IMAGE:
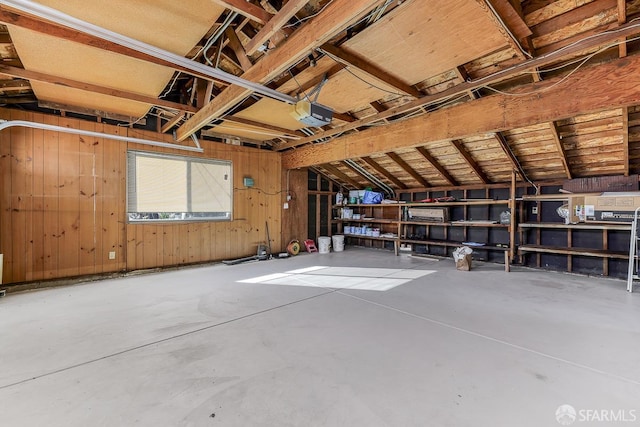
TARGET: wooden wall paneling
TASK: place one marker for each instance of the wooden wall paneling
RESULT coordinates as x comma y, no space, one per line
5,201
101,254
69,219
20,197
270,165
183,244
131,247
87,195
112,217
205,241
120,219
37,217
194,242
166,234
15,261
295,219
28,167
139,257
52,201
76,191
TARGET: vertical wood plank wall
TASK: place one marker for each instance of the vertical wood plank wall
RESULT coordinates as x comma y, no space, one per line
295,219
63,204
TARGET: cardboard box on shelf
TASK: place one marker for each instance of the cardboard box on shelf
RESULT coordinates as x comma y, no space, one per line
576,209
611,207
434,214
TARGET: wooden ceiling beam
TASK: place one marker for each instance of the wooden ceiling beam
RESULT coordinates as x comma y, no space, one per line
341,176
336,16
61,81
285,132
345,117
274,25
238,49
513,160
553,127
437,166
512,18
503,24
90,112
462,150
518,69
241,139
64,33
300,90
382,171
370,69
14,84
411,171
357,172
622,18
601,87
247,9
171,123
464,77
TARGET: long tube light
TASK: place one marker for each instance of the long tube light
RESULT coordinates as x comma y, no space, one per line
69,21
4,124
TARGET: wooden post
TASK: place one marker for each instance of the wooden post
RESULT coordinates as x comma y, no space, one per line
512,225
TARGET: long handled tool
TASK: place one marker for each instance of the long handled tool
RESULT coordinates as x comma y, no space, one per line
266,223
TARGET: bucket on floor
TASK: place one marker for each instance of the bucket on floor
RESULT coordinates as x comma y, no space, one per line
324,244
338,242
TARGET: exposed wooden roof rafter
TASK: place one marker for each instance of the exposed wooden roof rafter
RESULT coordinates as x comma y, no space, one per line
247,9
172,122
333,19
382,171
540,61
436,165
407,168
265,126
609,85
459,146
370,69
553,127
513,160
357,172
61,81
341,176
45,27
274,25
238,49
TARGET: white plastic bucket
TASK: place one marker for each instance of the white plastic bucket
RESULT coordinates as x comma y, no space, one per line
324,244
338,242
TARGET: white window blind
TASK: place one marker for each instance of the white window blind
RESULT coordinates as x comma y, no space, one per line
163,187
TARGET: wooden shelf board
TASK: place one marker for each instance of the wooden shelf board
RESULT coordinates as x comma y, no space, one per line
465,203
362,205
554,197
599,253
451,243
372,220
456,224
589,226
360,236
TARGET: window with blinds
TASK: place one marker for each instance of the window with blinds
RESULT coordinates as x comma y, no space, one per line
163,187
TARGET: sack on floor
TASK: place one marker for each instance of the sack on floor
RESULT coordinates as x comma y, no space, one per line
462,257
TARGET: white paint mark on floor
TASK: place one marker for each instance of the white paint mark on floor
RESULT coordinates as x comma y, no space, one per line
370,279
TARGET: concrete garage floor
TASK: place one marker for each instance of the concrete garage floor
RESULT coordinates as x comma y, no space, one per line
195,347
